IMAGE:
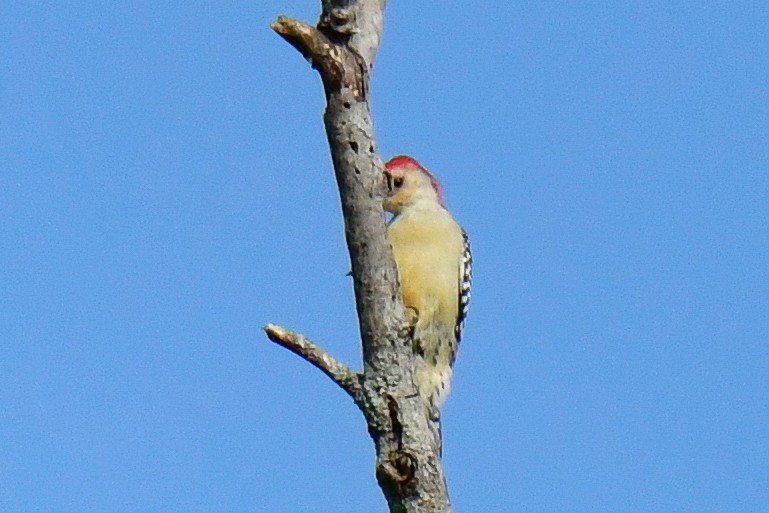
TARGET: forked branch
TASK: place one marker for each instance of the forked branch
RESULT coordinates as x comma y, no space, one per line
342,47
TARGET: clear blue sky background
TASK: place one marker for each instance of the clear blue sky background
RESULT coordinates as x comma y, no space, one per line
165,190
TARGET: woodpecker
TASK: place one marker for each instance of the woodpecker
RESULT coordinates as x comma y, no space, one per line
434,264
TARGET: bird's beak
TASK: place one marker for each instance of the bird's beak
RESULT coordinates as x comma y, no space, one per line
389,180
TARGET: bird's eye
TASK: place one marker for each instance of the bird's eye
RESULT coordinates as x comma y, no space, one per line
398,182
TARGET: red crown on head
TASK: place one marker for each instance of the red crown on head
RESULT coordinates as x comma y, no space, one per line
410,163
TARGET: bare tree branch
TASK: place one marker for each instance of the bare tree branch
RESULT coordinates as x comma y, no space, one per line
341,374
342,47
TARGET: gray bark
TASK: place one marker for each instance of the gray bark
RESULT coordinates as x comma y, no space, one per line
342,47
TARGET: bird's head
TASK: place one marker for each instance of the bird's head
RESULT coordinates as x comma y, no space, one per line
409,184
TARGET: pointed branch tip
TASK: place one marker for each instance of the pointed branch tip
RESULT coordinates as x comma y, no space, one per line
302,36
341,374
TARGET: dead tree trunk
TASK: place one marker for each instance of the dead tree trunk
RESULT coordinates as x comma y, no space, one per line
342,47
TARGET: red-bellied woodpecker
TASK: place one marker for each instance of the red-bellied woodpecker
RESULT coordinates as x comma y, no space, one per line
434,264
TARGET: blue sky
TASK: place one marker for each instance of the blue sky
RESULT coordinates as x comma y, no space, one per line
166,189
